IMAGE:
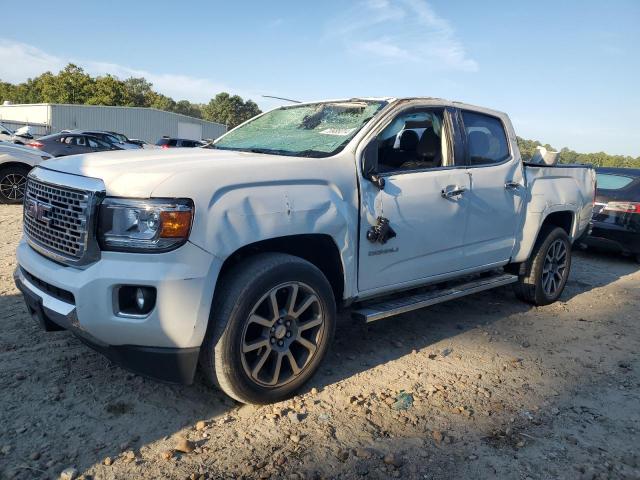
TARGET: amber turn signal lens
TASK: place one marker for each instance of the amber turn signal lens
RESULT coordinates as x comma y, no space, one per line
175,224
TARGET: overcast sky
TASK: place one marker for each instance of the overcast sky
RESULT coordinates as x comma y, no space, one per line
567,72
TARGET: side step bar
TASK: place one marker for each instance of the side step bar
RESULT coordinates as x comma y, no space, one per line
403,304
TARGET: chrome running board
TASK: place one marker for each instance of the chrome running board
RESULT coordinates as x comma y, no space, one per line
407,303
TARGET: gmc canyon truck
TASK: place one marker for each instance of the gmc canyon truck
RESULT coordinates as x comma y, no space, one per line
236,257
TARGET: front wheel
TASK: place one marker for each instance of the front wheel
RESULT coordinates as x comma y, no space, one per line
271,326
13,181
547,270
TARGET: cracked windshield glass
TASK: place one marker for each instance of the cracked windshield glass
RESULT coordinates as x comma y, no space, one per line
311,130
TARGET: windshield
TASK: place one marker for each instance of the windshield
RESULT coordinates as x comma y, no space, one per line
612,182
311,130
111,139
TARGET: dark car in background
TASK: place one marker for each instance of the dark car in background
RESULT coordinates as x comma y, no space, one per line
616,212
168,142
109,137
61,144
124,139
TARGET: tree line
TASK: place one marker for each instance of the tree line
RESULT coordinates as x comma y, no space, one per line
599,159
72,85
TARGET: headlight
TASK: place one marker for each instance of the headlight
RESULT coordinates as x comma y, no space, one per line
154,225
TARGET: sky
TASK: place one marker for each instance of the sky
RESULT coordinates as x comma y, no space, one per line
567,72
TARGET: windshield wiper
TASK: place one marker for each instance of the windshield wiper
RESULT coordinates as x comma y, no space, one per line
311,153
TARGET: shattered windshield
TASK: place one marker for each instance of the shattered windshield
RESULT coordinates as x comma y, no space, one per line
312,130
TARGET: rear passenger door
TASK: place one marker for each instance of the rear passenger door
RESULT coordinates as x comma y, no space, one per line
81,145
495,197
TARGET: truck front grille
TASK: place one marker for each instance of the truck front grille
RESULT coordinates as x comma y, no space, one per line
56,219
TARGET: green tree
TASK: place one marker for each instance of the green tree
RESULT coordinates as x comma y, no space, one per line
108,90
161,102
229,110
187,108
139,91
7,91
73,85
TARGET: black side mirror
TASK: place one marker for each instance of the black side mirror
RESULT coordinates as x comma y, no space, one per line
370,164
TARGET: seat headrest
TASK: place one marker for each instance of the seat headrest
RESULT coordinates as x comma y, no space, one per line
408,140
430,144
478,144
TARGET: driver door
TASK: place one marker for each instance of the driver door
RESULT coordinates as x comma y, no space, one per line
423,199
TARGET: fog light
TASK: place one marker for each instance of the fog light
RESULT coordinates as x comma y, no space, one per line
136,300
140,299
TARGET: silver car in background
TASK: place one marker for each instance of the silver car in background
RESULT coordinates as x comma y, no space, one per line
15,163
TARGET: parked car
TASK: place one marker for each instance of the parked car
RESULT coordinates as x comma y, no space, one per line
238,256
124,139
168,142
62,144
108,137
21,136
15,163
616,212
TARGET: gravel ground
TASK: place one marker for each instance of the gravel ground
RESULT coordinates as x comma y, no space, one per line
492,388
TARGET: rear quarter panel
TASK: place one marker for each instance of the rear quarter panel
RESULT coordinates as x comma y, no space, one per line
555,189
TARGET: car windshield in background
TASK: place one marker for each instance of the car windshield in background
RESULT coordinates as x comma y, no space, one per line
312,130
607,181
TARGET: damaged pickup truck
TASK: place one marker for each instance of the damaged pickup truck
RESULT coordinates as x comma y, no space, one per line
237,257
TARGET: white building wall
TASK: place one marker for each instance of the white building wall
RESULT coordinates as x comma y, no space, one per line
144,123
37,114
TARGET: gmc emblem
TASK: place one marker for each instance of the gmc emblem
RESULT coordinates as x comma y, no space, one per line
38,210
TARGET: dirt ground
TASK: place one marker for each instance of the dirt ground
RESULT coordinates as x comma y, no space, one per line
493,388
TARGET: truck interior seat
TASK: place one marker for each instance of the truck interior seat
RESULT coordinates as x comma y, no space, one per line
479,146
430,149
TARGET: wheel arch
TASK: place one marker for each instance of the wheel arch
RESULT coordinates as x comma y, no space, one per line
564,219
317,248
536,223
14,163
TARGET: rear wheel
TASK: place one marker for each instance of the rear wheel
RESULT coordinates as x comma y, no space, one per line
271,326
13,181
547,270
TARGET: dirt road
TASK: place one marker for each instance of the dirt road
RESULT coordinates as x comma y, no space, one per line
493,388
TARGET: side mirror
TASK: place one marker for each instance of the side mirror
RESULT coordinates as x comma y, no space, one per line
370,164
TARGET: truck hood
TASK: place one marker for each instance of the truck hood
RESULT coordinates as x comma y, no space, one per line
136,173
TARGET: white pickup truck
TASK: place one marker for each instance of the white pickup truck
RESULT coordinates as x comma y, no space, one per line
236,257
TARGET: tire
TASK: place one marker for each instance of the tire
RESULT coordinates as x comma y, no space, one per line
243,318
547,270
13,180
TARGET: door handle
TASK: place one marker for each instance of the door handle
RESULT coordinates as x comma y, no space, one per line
511,185
452,191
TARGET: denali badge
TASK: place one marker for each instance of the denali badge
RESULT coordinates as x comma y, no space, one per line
38,210
373,253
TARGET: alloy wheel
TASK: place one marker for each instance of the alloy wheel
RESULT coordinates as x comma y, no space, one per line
554,268
282,334
12,186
